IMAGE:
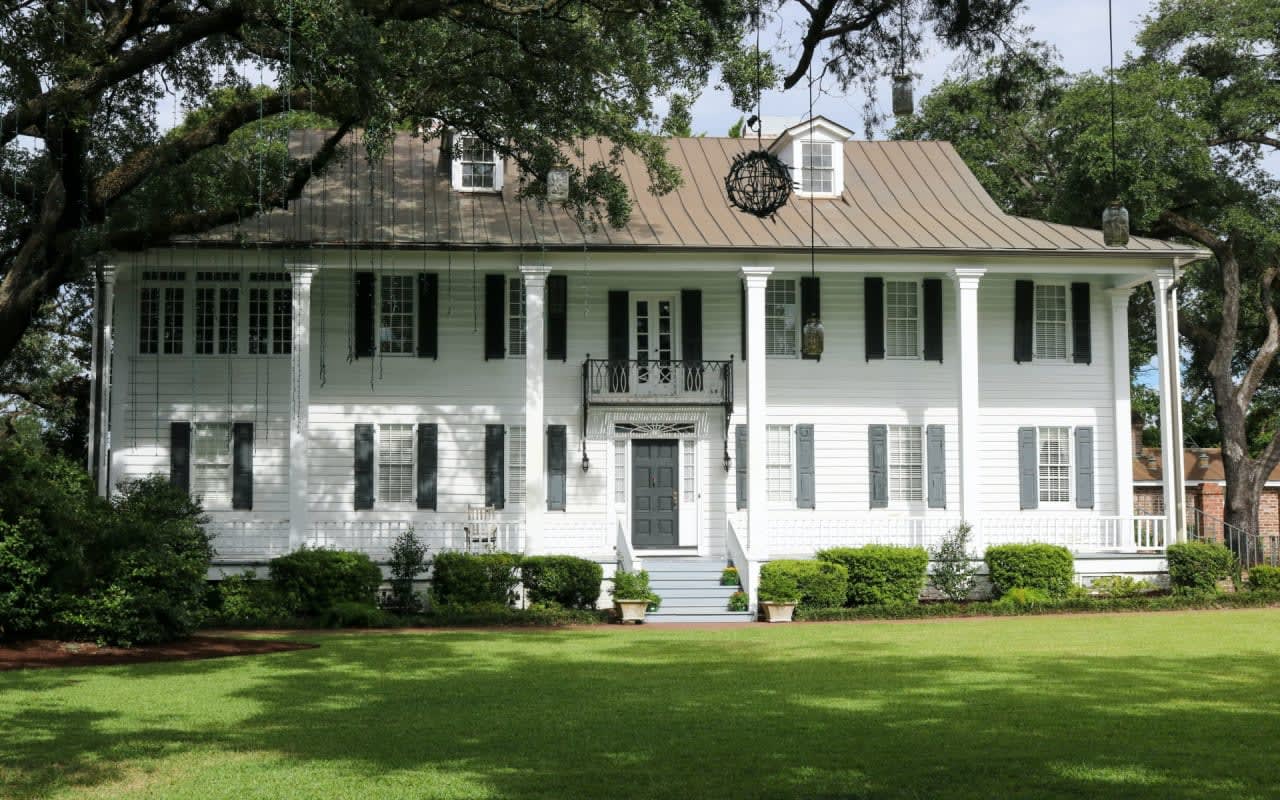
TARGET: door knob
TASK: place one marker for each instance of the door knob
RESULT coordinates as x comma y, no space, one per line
675,496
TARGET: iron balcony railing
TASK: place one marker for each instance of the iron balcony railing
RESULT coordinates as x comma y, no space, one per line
626,381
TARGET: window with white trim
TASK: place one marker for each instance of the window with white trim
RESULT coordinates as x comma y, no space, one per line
780,314
217,314
161,312
516,457
1053,449
395,464
906,464
1050,321
270,314
477,163
396,314
902,319
687,468
817,172
516,344
620,472
211,464
779,464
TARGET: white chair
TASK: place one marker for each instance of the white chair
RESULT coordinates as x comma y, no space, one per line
481,530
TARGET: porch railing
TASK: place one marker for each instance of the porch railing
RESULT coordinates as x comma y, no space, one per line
242,541
248,540
1082,534
748,567
627,558
1253,549
645,381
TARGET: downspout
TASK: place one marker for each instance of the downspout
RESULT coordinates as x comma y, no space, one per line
96,438
1174,371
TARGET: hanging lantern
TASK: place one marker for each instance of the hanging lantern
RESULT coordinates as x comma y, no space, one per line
903,101
1115,224
557,185
758,183
812,337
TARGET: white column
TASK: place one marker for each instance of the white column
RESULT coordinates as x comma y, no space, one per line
1170,439
756,279
300,405
1122,420
100,397
535,438
966,280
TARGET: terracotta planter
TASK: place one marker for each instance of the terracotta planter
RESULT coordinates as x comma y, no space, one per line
776,612
631,610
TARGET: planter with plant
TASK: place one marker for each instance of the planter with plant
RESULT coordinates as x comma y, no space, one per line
632,596
729,577
739,601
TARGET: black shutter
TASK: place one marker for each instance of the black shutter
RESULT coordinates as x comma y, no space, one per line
1081,336
1028,469
810,306
428,315
428,461
691,338
180,455
878,465
366,314
495,317
1024,301
557,463
874,305
558,317
932,307
740,462
936,445
495,493
242,466
806,486
364,467
1084,467
619,340
742,316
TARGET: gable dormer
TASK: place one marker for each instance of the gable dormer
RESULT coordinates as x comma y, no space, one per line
476,166
814,149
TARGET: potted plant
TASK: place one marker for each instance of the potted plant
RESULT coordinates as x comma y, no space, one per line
729,577
739,601
632,596
779,593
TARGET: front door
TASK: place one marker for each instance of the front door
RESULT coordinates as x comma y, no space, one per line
655,520
654,343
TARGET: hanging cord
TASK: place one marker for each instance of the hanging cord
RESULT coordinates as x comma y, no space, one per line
755,18
1111,52
812,238
351,251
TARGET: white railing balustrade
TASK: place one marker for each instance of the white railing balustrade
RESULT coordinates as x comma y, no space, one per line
627,558
586,537
248,540
748,567
806,535
1080,534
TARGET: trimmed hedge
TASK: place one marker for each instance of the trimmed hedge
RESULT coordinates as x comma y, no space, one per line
812,584
1030,566
311,582
564,580
1264,578
1196,567
471,578
881,574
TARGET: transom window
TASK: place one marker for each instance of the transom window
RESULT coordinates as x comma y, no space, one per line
1051,321
816,169
516,343
477,162
516,458
211,464
780,315
396,314
906,464
902,319
395,464
1054,464
778,463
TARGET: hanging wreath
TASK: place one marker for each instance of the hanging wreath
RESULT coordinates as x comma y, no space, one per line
758,183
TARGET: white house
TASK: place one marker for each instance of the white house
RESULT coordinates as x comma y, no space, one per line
414,345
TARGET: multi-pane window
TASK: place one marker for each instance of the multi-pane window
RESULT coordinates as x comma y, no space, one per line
778,468
211,464
161,312
270,317
1054,464
817,172
1051,321
906,464
174,299
397,314
687,469
395,463
516,344
477,162
620,472
149,319
902,319
780,314
217,320
515,464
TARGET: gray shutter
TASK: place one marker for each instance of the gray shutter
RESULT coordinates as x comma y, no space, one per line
1028,472
1084,467
931,308
242,466
428,464
740,462
495,493
936,447
1024,301
557,462
873,312
364,467
805,489
1081,335
878,464
180,455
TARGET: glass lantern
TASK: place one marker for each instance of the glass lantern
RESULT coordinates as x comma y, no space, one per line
557,185
812,338
903,101
1115,225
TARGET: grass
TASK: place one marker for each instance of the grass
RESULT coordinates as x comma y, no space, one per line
1151,705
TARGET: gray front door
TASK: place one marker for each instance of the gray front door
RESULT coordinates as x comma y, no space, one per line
654,512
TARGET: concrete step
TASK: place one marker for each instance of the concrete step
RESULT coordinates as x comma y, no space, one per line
684,565
664,616
669,602
692,590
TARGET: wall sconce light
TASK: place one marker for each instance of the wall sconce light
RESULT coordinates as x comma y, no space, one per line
586,460
728,464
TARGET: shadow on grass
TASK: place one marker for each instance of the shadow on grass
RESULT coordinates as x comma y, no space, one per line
597,714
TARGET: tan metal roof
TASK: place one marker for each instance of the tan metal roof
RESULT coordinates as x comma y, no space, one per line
899,196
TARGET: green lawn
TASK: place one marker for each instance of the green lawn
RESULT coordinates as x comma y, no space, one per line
1156,705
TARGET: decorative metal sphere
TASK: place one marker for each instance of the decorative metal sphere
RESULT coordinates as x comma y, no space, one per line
903,101
812,337
1115,225
758,183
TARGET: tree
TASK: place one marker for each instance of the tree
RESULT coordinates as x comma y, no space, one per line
1197,112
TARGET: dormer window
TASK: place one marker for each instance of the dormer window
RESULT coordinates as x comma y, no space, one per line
814,149
477,167
816,170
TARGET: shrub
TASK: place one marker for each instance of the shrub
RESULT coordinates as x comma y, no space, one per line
1196,567
729,577
245,600
953,568
468,578
634,586
1264,578
567,581
1030,566
811,584
738,601
880,574
25,597
348,614
1024,597
314,581
482,614
1120,586
408,561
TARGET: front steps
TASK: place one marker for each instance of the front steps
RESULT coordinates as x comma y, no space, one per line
690,590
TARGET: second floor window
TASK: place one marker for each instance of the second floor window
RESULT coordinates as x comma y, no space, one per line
477,161
817,173
901,319
161,312
780,314
270,320
516,344
397,314
1051,321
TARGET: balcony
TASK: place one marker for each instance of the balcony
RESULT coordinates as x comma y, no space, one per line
644,382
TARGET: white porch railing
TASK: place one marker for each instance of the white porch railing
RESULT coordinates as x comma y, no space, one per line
627,558
806,535
1079,534
240,541
581,537
248,540
748,567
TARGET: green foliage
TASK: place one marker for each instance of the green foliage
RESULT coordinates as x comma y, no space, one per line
729,577
1030,566
245,601
1196,567
349,614
1024,598
408,561
634,586
503,615
1121,586
739,601
24,591
564,580
1264,578
468,578
314,581
811,584
880,574
953,568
